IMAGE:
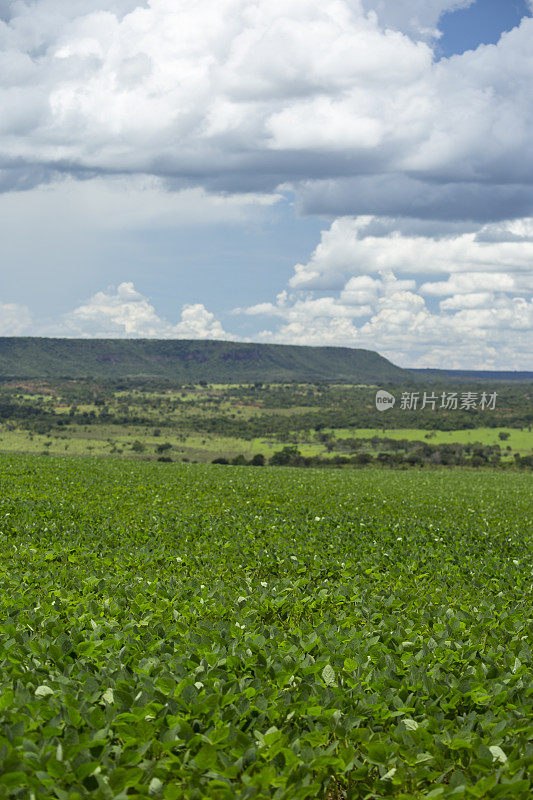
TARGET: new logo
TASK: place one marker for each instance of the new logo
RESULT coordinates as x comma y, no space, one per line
384,400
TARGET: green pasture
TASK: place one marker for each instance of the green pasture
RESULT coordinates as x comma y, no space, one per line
117,440
520,440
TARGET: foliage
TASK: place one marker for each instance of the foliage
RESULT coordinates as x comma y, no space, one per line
202,632
415,454
328,424
188,360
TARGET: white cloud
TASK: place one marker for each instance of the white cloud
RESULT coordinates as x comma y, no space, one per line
483,319
246,95
15,319
404,329
317,331
471,282
468,300
172,112
347,249
198,323
361,290
125,313
308,308
123,203
121,313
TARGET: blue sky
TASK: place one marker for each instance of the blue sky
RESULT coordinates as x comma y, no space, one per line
355,172
482,22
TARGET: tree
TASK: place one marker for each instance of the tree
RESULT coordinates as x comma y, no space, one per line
162,448
289,455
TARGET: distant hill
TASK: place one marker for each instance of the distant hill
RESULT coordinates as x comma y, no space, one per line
464,375
193,360
185,360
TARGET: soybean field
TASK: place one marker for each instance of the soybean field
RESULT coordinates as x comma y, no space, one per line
200,631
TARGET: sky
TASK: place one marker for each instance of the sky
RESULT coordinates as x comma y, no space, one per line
336,172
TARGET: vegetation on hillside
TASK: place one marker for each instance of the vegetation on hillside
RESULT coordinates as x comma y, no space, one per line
185,360
191,360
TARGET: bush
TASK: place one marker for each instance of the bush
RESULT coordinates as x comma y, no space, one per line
288,456
162,448
363,458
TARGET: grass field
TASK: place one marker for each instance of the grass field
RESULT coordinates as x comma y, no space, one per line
193,631
520,440
117,440
200,423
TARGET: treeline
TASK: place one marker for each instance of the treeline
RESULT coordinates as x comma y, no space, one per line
468,455
37,418
284,427
288,413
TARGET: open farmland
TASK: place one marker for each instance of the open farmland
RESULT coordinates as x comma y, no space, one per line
327,424
193,631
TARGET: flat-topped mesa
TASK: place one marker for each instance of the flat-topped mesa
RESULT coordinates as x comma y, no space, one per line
190,360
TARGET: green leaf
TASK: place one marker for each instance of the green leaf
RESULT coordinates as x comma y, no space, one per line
206,758
14,779
6,699
43,691
328,675
108,697
155,787
498,754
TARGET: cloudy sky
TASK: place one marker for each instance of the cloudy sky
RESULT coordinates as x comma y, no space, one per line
351,172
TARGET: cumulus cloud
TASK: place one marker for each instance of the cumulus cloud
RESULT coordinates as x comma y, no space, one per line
427,164
15,319
461,334
122,313
468,283
198,323
467,300
125,313
353,112
308,308
350,248
413,297
62,11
